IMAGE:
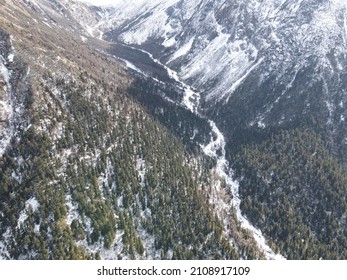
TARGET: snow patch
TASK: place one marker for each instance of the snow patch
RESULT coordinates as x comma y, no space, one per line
90,30
84,39
191,99
6,107
47,24
5,73
141,169
261,124
168,43
4,254
10,57
30,203
184,50
240,81
72,209
133,67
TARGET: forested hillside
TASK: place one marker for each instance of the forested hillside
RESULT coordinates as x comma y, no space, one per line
88,172
296,192
173,130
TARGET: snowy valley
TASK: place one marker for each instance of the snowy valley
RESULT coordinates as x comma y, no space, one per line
179,129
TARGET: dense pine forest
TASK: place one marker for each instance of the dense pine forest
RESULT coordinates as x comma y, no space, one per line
305,213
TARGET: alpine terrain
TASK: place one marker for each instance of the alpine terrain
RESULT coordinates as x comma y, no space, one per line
173,129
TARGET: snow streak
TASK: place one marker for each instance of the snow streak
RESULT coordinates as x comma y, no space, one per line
216,150
6,106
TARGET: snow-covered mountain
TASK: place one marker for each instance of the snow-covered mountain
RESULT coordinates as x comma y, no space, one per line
173,129
87,171
262,69
222,42
276,60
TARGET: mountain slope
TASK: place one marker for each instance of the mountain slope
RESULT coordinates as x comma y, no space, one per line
85,170
254,51
296,192
266,72
135,158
